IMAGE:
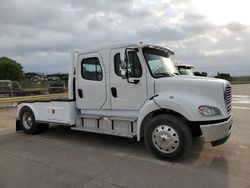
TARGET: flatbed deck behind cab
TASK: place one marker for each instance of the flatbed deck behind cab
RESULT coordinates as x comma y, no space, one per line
134,90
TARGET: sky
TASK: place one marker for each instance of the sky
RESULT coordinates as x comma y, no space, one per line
213,36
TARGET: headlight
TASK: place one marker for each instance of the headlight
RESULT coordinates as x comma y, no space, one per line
209,111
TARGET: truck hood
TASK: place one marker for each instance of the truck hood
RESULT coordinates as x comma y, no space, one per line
208,91
190,84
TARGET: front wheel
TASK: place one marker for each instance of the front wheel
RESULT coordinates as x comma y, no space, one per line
167,137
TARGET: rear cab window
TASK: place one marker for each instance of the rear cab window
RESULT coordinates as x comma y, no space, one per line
91,69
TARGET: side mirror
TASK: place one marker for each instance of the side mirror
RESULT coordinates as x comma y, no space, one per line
124,67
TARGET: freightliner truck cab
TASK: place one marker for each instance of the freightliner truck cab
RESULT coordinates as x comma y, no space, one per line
134,90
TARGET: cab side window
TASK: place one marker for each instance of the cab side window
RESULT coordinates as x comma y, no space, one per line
91,69
134,67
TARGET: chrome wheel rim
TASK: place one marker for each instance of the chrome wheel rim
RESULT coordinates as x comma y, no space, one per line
165,139
27,120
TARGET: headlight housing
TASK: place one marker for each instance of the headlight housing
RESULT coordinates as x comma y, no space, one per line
209,110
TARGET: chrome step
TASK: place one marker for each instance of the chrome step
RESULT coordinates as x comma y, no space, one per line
90,116
104,131
99,116
123,118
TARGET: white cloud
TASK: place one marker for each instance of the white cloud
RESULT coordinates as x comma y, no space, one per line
224,11
40,34
213,39
221,52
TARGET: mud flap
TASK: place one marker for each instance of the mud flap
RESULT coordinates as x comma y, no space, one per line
18,126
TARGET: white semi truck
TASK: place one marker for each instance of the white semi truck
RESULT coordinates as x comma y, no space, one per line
134,90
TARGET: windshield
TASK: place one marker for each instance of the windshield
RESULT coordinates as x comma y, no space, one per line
159,63
186,71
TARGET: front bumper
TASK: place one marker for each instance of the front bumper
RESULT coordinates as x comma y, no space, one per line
217,133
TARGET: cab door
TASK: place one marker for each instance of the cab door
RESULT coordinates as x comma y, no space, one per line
90,82
124,95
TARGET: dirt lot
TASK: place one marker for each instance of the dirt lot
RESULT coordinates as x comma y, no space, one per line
63,158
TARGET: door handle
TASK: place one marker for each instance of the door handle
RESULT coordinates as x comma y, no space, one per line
80,93
136,81
114,92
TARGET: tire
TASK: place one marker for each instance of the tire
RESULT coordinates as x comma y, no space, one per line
196,135
167,137
28,122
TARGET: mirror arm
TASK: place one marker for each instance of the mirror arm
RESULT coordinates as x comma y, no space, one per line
133,82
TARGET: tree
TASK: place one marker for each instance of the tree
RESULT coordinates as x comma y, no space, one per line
225,76
10,69
200,74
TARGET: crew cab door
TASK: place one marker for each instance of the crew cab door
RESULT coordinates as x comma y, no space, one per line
90,82
124,95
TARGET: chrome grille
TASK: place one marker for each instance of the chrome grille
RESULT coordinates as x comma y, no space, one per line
228,98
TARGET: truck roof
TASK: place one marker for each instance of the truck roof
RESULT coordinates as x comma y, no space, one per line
122,45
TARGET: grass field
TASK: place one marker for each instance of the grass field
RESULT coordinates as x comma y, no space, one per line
240,80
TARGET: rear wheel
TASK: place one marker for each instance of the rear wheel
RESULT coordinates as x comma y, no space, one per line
167,137
28,122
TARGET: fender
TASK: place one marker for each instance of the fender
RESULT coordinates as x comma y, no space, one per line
148,107
185,104
30,105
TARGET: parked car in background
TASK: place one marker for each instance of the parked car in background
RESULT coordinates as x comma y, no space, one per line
185,69
53,78
8,88
58,76
56,87
35,77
